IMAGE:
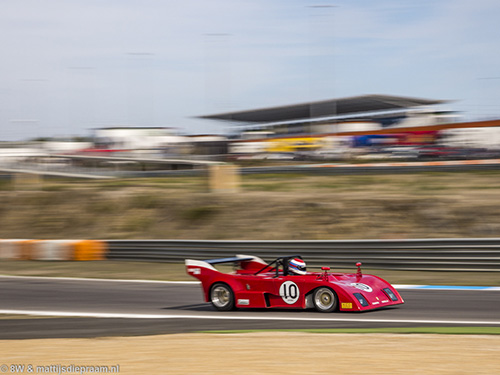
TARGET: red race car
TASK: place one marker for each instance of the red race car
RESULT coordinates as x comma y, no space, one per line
285,283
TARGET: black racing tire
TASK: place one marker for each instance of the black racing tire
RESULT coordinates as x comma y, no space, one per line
325,300
222,297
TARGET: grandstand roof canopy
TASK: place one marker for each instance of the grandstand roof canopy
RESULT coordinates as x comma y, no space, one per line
325,108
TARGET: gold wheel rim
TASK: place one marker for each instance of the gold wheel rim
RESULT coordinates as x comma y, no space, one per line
325,299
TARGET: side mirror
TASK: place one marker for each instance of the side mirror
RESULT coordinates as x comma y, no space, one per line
324,275
359,268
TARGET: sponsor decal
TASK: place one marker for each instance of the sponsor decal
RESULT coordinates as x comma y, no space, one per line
289,292
195,271
243,302
346,305
363,287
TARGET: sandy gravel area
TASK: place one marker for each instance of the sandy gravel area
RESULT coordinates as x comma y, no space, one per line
267,353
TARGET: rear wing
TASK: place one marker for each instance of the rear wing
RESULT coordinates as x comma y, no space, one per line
235,259
245,262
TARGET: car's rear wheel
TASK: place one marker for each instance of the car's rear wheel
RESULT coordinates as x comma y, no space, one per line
325,300
222,297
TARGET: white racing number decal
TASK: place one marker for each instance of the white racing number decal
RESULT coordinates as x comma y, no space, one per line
289,291
362,287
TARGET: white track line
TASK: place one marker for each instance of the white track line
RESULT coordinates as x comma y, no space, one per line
397,286
100,280
448,287
238,317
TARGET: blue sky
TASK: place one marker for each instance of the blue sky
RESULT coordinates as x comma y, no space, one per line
70,66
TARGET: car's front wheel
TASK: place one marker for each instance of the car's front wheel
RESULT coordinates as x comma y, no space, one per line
325,300
222,297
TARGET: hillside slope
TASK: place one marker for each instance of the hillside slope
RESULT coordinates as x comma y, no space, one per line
268,207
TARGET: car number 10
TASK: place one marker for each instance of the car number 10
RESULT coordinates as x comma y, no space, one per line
289,292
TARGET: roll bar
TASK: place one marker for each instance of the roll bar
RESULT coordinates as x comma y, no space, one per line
281,261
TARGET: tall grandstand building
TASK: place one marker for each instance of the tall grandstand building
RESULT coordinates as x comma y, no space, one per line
344,116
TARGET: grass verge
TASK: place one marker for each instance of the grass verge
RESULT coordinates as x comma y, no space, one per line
22,316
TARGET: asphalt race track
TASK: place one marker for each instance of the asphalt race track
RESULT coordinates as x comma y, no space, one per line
92,308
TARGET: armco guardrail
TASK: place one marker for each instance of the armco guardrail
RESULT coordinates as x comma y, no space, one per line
419,254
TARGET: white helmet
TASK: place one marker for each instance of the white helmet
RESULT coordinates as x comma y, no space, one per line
297,266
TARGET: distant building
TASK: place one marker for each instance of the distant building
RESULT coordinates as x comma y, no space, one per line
138,138
367,113
208,144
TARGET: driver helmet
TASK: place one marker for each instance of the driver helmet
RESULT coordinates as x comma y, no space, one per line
297,266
